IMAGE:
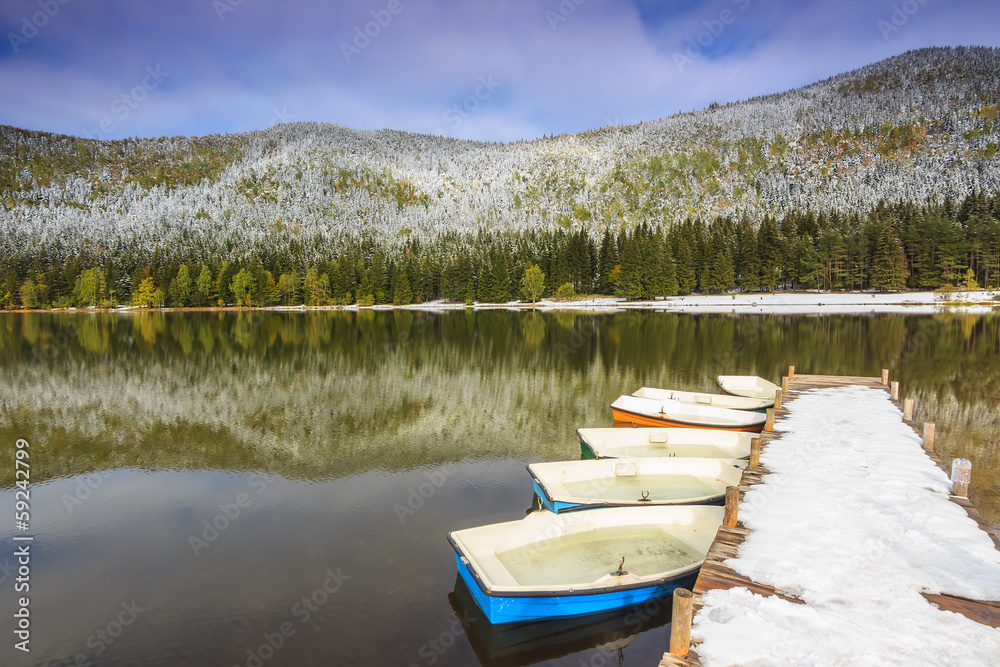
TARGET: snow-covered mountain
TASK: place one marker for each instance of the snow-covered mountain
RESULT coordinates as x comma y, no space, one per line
914,127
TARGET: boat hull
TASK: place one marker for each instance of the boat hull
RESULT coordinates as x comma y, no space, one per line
637,419
510,609
548,503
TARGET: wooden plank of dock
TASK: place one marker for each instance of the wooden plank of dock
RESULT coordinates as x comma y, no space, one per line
715,574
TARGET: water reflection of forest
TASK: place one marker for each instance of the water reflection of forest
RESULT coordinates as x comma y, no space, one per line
320,394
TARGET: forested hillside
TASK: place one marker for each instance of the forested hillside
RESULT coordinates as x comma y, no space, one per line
883,177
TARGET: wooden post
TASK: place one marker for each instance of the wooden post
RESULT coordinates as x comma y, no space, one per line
908,409
784,383
929,436
791,372
885,376
769,422
755,452
777,399
680,623
894,390
731,515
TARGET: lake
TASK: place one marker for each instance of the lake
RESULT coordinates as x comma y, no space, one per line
275,488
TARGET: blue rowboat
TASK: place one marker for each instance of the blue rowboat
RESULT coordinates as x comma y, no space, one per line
613,443
550,565
567,486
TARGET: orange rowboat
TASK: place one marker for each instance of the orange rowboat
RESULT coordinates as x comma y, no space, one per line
653,412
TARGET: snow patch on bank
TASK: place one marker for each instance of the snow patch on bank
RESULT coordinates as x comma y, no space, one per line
855,520
760,303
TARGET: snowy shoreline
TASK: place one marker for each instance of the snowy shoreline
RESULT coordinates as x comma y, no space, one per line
760,303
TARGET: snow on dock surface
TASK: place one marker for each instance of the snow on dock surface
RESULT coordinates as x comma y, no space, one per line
855,521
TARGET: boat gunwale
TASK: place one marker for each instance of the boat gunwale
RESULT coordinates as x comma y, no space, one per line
504,592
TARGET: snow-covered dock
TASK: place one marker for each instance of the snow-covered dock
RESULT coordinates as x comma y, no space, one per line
850,548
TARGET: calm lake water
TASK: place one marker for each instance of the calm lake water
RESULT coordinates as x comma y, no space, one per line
209,486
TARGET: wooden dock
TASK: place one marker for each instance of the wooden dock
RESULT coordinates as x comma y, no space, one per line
715,574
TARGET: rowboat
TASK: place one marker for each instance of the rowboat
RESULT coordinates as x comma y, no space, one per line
611,443
531,642
549,565
701,398
747,386
654,412
566,486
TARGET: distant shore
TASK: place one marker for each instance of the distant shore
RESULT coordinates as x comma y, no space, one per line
761,303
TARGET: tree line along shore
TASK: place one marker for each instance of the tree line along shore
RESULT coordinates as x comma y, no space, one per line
893,246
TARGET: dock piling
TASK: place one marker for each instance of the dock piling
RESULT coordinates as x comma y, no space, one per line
929,436
777,399
784,383
885,376
908,410
731,515
894,390
755,452
769,422
680,624
791,372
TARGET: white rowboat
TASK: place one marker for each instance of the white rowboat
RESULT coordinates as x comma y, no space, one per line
655,412
702,398
565,486
748,386
612,443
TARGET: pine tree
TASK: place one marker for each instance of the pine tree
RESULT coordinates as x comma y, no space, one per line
635,262
888,262
746,264
223,283
500,291
769,252
684,261
607,261
401,289
663,282
719,264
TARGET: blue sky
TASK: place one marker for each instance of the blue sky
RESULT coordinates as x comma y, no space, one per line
481,69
